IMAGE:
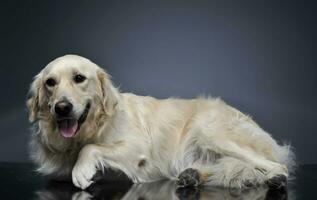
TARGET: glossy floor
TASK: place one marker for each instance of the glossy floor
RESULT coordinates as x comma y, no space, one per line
18,181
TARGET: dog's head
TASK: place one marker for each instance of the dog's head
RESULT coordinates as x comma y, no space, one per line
68,92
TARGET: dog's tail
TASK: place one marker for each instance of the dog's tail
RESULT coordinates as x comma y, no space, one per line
285,155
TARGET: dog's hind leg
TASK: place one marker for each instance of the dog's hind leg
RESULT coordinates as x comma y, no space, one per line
269,168
231,172
227,172
233,166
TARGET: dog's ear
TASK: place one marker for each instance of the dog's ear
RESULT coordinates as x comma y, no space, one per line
109,94
34,97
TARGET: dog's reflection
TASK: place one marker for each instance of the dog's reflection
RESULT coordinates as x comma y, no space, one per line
169,190
155,191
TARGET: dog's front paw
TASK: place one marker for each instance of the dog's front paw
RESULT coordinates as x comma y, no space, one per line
82,175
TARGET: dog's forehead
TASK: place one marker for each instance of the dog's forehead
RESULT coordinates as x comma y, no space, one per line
71,64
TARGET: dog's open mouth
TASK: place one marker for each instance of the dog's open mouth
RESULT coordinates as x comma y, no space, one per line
68,127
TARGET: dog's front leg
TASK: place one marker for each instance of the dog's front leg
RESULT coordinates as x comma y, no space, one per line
86,166
93,157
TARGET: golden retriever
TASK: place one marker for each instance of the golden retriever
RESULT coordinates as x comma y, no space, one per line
83,124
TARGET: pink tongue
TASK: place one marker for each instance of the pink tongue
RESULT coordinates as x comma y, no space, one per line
68,127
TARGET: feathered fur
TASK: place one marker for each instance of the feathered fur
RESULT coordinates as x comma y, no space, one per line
147,138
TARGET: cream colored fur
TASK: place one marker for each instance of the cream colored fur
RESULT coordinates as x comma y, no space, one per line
146,138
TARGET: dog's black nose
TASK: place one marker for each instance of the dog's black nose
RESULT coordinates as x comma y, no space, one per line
63,108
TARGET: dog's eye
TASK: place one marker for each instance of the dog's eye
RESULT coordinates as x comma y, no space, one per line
79,78
50,82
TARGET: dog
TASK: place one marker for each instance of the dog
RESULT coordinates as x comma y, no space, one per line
82,124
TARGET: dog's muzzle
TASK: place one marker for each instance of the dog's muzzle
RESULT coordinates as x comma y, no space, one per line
69,126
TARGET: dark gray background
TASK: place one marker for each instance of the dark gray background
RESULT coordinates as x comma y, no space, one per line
259,56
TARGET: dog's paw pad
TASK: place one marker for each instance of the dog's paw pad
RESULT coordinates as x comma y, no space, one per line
188,178
277,182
